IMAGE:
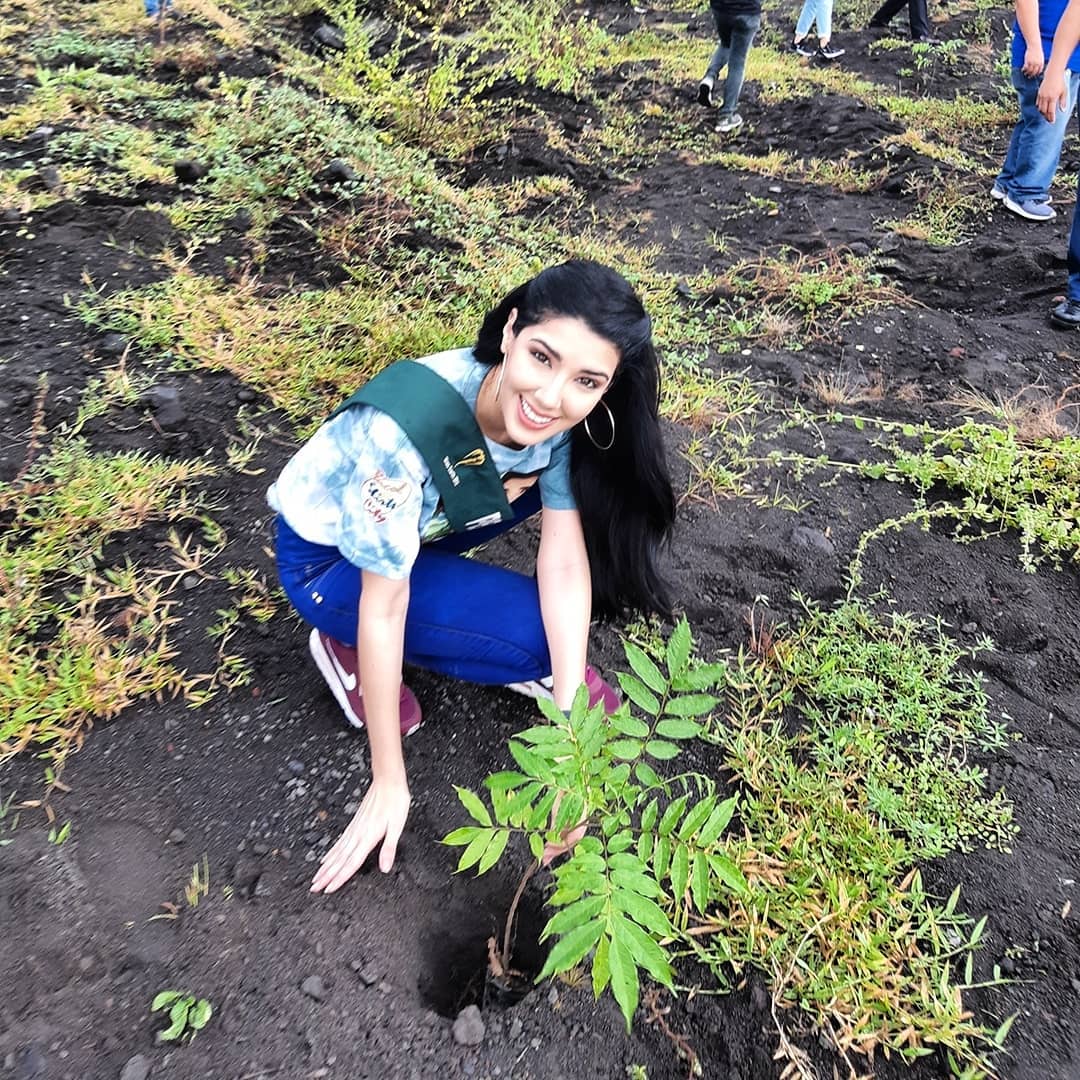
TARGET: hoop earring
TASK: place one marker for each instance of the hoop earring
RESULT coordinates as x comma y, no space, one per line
498,381
611,420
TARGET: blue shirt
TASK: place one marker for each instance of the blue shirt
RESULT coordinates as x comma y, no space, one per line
1050,12
360,485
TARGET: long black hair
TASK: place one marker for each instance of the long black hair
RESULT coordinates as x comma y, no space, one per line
623,493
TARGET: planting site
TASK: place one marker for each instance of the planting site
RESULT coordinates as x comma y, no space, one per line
832,830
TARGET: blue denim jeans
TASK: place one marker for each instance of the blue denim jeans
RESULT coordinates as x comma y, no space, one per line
466,619
736,34
1072,256
819,11
1035,146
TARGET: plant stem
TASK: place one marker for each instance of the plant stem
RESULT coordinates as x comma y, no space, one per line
508,930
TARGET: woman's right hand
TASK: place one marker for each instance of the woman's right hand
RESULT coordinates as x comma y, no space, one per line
381,817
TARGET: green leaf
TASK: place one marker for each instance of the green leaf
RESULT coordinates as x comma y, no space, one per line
536,846
661,857
541,812
624,749
624,977
174,1030
701,677
977,933
532,763
477,810
662,751
644,668
679,729
728,873
696,817
671,815
646,775
521,800
639,694
166,997
571,811
718,821
645,847
601,972
699,881
576,914
500,781
494,851
648,816
1003,1031
200,1014
647,953
571,949
178,1014
621,841
546,733
680,871
464,835
477,846
678,649
691,705
625,724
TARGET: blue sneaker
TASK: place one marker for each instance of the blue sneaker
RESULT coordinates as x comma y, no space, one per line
1032,210
1066,316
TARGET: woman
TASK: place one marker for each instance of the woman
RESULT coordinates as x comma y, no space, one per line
820,12
555,406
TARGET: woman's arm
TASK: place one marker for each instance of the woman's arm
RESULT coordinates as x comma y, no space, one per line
562,574
382,814
1053,94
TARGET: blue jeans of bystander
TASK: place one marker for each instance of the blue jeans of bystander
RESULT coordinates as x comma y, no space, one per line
736,34
1035,146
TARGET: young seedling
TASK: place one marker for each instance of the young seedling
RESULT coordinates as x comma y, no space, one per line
188,1015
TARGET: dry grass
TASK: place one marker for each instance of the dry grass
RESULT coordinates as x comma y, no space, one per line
835,388
1033,412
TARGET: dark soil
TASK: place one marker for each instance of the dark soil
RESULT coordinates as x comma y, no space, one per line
367,982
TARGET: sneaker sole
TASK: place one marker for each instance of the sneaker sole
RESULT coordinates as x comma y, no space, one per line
997,194
534,689
704,96
1062,324
1019,211
326,670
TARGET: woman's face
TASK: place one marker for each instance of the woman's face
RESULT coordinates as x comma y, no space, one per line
554,375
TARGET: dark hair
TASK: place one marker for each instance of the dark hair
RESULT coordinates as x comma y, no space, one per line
623,493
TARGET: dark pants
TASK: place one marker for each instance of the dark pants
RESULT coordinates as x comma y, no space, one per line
920,22
1072,259
736,34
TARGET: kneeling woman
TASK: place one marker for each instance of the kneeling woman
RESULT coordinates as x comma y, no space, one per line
554,407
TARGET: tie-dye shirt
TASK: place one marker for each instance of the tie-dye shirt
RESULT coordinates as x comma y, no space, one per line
359,484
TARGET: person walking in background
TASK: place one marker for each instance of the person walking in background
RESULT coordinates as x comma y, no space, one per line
1053,97
737,22
819,12
1023,185
917,17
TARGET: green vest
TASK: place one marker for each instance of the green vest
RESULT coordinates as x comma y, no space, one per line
442,427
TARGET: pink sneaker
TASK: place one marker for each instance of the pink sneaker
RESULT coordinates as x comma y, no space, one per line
598,690
338,666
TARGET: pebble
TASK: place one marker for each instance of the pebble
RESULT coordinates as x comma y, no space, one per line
969,628
330,37
469,1027
244,394
112,345
367,974
314,987
260,848
296,767
30,1064
136,1068
85,963
177,836
516,1028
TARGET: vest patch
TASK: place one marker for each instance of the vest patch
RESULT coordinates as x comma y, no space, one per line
382,496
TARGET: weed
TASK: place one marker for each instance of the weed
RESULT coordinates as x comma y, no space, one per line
945,214
57,836
188,1015
198,884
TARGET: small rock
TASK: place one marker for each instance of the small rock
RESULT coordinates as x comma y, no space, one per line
296,767
314,987
189,171
136,1068
112,345
553,996
42,132
759,997
165,401
177,836
190,581
469,1027
245,395
259,848
85,963
30,1064
339,171
330,37
516,1028
50,177
776,189
969,628
805,537
367,974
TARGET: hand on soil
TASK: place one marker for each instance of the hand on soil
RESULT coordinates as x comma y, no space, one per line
381,817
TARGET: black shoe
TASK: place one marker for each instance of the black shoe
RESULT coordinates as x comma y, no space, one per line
877,26
704,92
828,53
925,39
801,48
1066,316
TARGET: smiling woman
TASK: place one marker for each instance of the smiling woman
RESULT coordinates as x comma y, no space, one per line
553,410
